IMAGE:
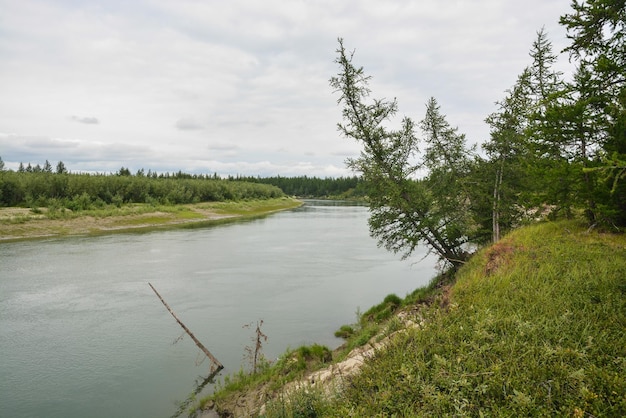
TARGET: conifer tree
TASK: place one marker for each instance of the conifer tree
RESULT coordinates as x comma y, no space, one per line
508,157
61,168
405,211
597,29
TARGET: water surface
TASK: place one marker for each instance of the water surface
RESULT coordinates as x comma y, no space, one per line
82,334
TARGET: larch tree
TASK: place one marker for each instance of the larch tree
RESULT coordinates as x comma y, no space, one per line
508,157
61,168
406,210
597,30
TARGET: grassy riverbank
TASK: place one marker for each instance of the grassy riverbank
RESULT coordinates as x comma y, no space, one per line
532,326
25,223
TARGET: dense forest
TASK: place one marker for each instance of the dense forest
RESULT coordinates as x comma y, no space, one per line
85,191
43,186
315,187
557,147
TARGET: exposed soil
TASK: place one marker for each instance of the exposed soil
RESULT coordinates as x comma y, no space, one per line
498,256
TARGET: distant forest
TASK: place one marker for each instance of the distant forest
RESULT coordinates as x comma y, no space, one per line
315,187
43,186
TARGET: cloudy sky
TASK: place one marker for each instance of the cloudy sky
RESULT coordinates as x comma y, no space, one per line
241,86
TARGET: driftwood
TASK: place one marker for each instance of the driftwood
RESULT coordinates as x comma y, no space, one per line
216,366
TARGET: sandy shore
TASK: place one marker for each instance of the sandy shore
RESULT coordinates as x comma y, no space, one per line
24,223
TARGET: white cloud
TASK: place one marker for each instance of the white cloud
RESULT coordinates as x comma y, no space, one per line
87,120
243,86
189,124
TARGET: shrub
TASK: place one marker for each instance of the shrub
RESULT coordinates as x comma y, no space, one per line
314,353
345,332
80,202
383,310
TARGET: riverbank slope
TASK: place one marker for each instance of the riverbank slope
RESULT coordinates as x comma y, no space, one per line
531,326
28,223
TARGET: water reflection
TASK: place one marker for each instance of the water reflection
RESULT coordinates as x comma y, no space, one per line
199,385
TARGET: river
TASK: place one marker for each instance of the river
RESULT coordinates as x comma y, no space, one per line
83,335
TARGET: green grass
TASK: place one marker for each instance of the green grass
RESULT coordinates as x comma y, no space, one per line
535,326
251,207
235,208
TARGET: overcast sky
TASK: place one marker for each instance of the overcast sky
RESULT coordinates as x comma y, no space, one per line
241,87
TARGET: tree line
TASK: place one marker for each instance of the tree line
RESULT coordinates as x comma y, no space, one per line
315,187
41,186
84,191
557,147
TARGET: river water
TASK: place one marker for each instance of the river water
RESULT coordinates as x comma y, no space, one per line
83,335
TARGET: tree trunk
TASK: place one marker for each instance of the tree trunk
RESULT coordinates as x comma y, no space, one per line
214,361
495,213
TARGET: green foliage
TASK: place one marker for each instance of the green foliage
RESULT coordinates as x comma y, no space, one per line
314,187
597,30
309,403
80,192
556,145
345,332
406,212
316,353
383,310
60,168
425,295
365,334
305,358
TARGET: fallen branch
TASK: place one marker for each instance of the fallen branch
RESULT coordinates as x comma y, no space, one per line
216,366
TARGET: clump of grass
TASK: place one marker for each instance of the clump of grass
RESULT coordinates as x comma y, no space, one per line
383,310
304,359
315,353
366,333
345,332
393,325
368,323
310,402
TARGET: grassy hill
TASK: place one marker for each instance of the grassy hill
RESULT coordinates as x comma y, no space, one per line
533,326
